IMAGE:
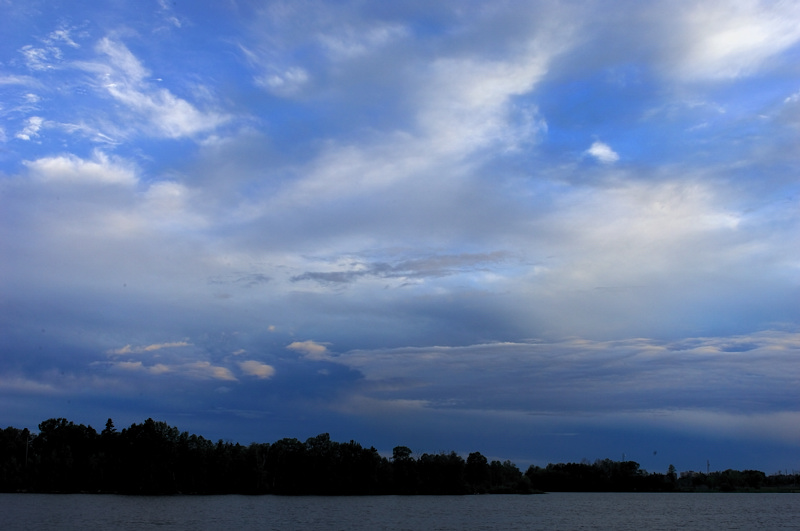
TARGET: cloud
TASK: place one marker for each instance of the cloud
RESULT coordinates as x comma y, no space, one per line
246,280
168,14
348,42
469,100
257,369
741,375
19,80
310,350
408,183
127,349
39,59
205,370
433,266
285,83
138,366
323,32
69,169
602,152
197,370
12,384
725,40
31,130
161,112
101,200
63,35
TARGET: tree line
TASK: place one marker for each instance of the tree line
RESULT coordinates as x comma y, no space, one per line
155,458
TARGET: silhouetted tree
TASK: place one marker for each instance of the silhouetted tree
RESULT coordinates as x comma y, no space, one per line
672,476
155,458
65,456
13,459
404,470
477,473
287,466
507,478
148,454
441,473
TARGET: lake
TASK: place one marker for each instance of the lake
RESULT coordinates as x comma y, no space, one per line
565,511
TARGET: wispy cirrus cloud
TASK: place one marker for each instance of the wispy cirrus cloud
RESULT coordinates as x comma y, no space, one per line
29,81
155,111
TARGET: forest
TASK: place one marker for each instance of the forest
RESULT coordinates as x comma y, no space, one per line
153,458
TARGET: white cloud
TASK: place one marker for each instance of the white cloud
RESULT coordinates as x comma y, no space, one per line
465,105
127,349
310,350
168,14
31,130
284,83
163,113
347,42
198,370
70,169
257,369
794,98
167,205
19,80
123,65
462,107
642,257
205,370
603,153
648,225
339,33
63,35
40,58
729,39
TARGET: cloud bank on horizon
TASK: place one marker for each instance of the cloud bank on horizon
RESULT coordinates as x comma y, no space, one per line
543,230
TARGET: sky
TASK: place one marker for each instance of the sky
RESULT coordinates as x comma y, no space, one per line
546,231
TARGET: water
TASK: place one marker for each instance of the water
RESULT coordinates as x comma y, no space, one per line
556,511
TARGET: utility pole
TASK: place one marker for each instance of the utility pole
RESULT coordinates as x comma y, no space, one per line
28,440
708,467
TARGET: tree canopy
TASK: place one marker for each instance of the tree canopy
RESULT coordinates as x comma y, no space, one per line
156,458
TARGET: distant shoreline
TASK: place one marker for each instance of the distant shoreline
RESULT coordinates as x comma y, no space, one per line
153,458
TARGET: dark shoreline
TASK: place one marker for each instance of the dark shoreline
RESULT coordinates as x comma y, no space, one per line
153,458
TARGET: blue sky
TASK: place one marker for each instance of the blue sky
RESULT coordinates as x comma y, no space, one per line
546,231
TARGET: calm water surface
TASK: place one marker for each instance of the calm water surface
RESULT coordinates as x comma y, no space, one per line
626,511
